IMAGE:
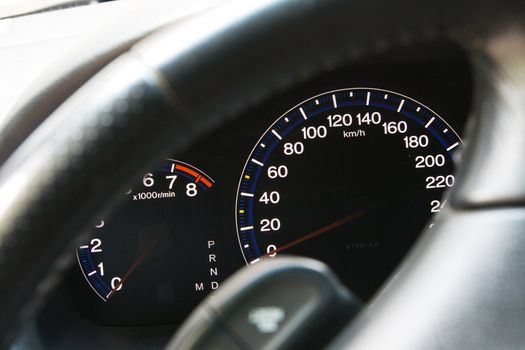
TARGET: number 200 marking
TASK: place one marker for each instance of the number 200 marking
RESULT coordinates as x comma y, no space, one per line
430,161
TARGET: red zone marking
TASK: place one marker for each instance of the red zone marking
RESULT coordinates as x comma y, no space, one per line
198,177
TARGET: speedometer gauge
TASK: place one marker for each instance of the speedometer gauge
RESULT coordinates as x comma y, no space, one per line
349,177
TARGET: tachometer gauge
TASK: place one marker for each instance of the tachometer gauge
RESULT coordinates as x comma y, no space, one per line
155,255
349,177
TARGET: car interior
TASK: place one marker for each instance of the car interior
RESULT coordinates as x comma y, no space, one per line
264,174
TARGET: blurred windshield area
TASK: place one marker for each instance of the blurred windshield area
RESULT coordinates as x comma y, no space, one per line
30,44
16,8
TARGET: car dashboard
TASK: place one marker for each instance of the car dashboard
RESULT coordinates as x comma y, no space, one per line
348,167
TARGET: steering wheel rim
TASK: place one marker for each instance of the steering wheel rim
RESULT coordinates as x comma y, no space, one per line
106,120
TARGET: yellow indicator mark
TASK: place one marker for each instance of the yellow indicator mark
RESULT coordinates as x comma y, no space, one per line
247,177
241,211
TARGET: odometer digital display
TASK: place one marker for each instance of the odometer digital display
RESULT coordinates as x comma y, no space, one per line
349,177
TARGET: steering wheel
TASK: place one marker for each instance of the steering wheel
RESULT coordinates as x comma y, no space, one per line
460,287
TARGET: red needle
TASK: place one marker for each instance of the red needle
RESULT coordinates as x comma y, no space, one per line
319,231
135,264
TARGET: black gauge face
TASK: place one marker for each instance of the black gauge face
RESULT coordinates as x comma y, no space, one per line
154,258
349,177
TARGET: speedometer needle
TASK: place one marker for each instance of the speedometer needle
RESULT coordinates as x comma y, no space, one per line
135,264
319,231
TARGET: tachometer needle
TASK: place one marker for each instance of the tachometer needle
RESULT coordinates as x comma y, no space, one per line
319,231
135,264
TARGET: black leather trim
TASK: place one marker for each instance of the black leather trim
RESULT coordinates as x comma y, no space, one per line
84,154
82,62
460,288
50,96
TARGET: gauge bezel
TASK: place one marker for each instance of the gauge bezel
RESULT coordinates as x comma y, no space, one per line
422,107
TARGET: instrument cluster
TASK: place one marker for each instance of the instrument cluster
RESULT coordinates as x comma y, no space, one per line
348,168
